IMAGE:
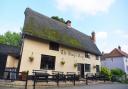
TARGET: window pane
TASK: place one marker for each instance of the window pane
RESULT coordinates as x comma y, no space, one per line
79,67
87,67
87,55
47,62
97,68
54,46
97,57
127,68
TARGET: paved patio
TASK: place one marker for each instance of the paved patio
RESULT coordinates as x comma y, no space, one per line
91,86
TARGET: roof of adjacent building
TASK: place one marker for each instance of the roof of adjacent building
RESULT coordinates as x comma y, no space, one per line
43,27
7,49
114,53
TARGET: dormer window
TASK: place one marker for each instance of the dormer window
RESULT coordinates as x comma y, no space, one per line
87,55
54,46
97,57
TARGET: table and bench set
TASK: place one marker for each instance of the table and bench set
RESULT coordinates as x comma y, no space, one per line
55,76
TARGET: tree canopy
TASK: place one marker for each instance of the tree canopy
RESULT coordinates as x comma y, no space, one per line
58,19
11,38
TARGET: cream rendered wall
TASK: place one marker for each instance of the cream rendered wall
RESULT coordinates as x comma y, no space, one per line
92,60
66,54
11,61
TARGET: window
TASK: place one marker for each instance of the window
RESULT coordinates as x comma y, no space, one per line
87,55
87,67
112,59
97,57
127,68
47,62
79,67
54,46
97,68
126,60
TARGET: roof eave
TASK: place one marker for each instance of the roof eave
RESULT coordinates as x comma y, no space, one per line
41,39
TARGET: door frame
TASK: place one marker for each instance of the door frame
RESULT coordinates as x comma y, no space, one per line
81,69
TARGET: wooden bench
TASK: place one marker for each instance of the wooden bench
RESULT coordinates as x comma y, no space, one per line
99,76
71,75
90,76
56,76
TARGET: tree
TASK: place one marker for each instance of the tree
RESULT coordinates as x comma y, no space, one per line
58,19
2,40
10,38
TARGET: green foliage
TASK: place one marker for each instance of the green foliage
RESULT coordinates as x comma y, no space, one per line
105,71
62,62
124,81
117,72
58,19
2,39
10,38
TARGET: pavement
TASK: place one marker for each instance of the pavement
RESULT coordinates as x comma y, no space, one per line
91,86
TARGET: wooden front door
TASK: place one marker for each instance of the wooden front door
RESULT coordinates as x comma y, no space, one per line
81,69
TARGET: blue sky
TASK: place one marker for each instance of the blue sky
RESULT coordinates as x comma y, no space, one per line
108,18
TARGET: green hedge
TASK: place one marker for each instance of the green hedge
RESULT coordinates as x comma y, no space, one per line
105,71
117,72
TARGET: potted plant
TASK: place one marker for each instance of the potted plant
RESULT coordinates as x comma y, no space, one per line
31,58
94,66
62,62
24,75
75,65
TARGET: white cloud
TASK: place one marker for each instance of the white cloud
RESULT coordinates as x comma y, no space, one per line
108,40
101,35
90,7
101,40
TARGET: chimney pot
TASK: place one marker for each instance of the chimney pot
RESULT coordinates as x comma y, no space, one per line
119,47
102,52
68,23
93,37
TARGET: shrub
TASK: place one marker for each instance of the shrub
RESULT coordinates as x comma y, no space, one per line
105,71
117,72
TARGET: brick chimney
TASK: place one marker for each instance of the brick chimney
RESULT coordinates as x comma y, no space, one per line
68,23
93,37
119,47
102,52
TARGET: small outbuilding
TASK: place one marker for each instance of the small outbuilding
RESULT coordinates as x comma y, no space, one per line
9,58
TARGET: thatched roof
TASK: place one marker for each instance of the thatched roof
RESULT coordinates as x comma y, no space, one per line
43,27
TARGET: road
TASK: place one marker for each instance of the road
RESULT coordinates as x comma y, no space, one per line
97,86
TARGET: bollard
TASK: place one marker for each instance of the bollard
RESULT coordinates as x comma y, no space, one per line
74,76
34,80
57,76
86,79
26,81
104,78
